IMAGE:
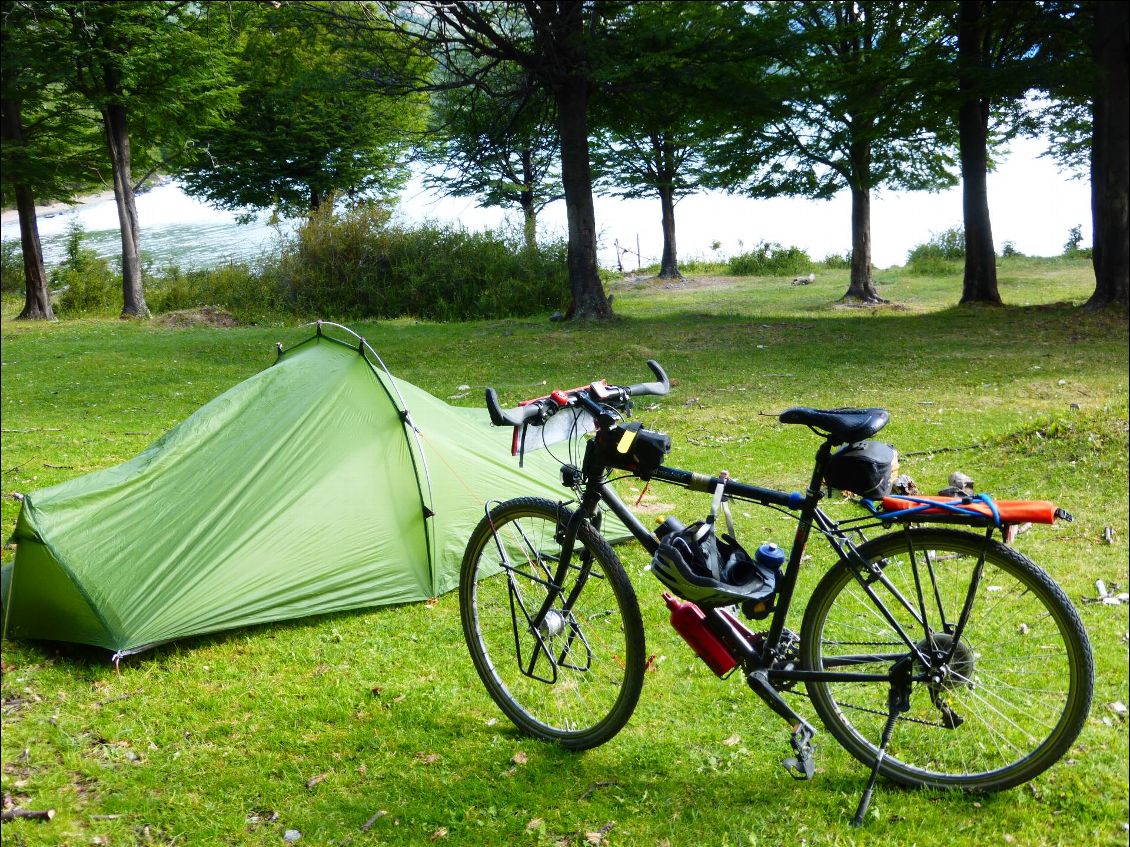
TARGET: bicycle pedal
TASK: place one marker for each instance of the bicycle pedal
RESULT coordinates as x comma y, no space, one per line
802,771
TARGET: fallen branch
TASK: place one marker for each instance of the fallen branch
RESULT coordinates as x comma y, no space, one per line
33,814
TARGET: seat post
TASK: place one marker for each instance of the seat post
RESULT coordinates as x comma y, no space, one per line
822,454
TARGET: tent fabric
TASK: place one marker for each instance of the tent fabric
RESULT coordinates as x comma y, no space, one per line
301,491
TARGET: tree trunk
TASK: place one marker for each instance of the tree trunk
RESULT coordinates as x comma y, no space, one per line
669,264
586,288
37,299
526,201
117,140
1110,170
665,179
980,283
861,288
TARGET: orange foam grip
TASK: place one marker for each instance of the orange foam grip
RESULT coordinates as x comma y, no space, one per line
1011,511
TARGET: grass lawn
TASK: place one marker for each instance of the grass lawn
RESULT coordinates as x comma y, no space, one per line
377,718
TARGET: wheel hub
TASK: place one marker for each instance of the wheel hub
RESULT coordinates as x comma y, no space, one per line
553,624
957,672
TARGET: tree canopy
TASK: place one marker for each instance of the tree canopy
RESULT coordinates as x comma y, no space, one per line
309,123
496,142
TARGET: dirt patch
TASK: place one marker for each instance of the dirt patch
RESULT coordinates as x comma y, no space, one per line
203,316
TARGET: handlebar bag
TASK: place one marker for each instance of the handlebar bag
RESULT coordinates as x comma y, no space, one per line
633,448
866,468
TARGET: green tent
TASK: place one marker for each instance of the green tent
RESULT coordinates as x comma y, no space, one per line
320,484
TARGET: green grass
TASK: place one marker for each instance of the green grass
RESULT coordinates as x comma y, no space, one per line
206,740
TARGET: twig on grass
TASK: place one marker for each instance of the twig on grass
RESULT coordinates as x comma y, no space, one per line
604,784
32,814
367,825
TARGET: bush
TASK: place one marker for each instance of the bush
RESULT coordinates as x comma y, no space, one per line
1009,251
942,254
84,281
11,267
769,259
837,261
357,263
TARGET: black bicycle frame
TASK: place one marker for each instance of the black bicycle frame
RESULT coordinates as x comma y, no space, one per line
598,490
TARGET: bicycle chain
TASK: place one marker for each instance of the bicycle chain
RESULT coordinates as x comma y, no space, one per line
876,711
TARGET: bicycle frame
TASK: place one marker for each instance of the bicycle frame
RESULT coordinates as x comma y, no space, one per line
598,490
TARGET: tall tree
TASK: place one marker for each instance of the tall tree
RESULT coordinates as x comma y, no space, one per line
851,78
998,61
496,142
49,145
561,46
153,71
678,66
1086,122
307,125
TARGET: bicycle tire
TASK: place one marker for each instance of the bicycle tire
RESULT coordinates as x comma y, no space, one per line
1020,683
578,679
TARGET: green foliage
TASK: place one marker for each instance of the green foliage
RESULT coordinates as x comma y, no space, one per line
1009,251
308,123
856,109
769,259
52,143
942,253
11,267
496,141
837,261
84,281
250,292
358,263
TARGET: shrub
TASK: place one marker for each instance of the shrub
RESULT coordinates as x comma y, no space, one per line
11,267
942,254
837,261
769,259
84,281
356,263
1009,251
251,292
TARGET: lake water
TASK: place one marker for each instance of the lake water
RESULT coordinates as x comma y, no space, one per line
1032,206
175,230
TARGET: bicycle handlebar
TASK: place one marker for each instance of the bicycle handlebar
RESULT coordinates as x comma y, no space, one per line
545,406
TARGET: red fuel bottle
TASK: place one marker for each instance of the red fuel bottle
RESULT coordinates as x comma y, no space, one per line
690,622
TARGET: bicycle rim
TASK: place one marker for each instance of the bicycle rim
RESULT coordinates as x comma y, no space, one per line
1015,693
573,675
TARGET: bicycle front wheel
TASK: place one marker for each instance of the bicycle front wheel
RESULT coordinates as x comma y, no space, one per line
560,650
1016,688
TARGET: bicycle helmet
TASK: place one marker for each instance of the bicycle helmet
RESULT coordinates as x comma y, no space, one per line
710,571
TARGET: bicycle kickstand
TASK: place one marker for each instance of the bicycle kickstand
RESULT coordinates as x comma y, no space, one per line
801,764
898,701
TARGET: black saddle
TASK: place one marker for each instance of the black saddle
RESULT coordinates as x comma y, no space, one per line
841,426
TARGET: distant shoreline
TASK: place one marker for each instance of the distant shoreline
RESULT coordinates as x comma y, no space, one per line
59,208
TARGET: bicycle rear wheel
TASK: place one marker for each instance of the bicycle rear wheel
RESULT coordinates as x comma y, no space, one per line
1008,704
561,654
